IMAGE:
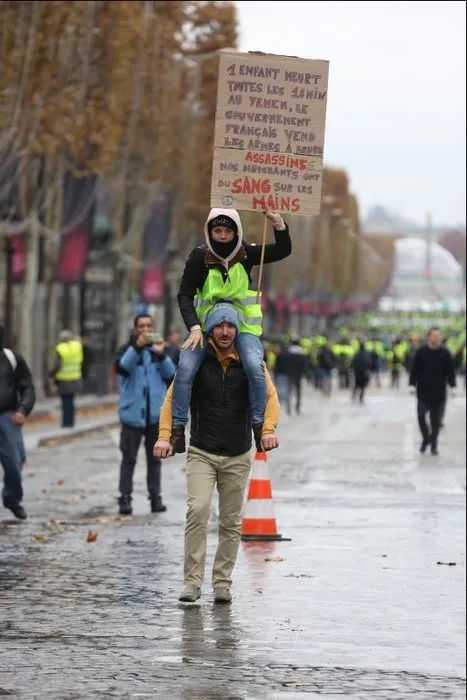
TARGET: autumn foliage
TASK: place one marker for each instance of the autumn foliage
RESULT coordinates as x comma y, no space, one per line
125,90
117,89
331,259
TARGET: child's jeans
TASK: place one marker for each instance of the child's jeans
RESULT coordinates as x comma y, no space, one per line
251,353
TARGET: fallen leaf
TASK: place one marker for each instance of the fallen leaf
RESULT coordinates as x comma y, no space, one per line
29,474
38,537
274,559
446,563
60,482
259,590
92,536
45,490
291,684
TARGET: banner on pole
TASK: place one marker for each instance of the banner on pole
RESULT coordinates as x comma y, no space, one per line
269,133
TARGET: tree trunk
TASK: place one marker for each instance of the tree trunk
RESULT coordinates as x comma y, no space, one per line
54,215
30,293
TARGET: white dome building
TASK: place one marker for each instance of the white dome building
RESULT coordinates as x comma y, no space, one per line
411,286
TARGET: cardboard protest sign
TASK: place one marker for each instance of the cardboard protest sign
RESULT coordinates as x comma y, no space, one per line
269,133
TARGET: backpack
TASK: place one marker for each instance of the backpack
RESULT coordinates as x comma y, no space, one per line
10,356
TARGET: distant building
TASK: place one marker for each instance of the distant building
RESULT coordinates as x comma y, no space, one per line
380,220
425,277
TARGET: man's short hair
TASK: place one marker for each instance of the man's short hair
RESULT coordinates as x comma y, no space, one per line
66,336
138,317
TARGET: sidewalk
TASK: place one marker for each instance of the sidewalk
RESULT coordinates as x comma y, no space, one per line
42,436
46,409
93,413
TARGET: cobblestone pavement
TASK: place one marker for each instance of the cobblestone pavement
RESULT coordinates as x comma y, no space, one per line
366,602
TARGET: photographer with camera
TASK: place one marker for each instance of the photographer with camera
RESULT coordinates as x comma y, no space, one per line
143,370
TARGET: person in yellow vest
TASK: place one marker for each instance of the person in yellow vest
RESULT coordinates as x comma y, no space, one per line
67,374
396,359
219,272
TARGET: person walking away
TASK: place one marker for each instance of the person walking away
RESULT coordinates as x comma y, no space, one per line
17,399
143,371
219,452
325,362
361,367
432,371
298,370
293,364
375,348
67,374
396,360
219,272
282,377
343,353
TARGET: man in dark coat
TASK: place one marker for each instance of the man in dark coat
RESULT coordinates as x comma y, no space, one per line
361,366
17,399
432,370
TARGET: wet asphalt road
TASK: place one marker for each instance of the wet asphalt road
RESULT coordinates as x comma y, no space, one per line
361,604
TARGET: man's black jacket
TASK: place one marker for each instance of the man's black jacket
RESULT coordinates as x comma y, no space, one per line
16,387
220,408
432,370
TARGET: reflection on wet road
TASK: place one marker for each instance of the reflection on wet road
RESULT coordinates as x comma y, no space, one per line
366,602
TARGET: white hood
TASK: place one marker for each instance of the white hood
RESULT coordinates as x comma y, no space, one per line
235,216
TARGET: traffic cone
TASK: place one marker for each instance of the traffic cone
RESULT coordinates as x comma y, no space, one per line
258,522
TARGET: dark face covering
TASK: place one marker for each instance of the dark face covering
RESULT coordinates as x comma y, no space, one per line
223,250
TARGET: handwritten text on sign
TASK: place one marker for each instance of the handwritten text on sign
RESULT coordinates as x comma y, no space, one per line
269,133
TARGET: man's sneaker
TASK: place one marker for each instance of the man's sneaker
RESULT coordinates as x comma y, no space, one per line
257,434
125,505
178,439
190,594
222,595
18,511
157,506
434,451
426,441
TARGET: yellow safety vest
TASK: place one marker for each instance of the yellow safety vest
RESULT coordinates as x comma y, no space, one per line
236,290
71,355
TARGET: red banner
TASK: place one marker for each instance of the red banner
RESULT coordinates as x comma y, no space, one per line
18,263
73,256
153,284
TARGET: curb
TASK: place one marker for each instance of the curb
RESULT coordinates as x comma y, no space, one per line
53,414
60,437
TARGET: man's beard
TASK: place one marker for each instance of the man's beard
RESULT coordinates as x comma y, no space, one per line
218,341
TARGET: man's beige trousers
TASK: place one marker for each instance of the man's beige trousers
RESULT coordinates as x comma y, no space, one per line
204,470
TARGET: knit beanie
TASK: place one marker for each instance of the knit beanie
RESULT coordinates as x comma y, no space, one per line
222,313
223,220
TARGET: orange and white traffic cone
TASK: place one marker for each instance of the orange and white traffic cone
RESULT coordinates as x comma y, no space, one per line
258,522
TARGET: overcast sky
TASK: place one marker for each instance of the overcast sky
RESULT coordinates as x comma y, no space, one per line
396,99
